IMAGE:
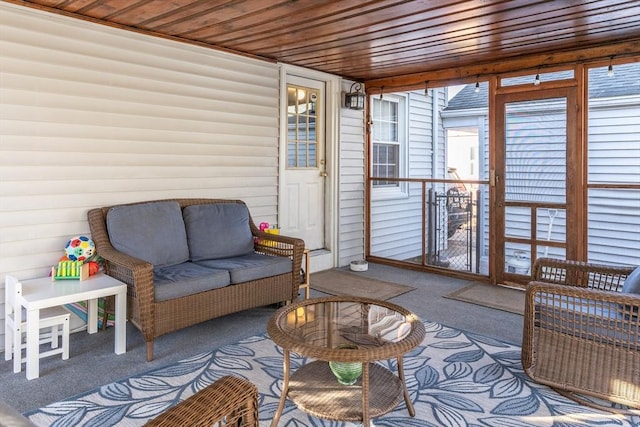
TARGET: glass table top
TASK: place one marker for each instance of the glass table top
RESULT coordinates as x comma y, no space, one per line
333,324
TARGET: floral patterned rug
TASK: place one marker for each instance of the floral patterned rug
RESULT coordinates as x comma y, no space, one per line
455,378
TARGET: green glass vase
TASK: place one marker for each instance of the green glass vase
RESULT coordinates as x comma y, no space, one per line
347,373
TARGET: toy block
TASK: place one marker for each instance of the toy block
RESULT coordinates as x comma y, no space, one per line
70,270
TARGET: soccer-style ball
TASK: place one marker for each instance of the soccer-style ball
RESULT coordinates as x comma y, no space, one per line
80,248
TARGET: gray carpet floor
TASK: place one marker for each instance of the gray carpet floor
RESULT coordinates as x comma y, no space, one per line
92,362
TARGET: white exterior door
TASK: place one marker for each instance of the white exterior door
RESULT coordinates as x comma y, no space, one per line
303,213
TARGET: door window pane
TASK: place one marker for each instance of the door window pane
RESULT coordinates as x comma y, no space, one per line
302,110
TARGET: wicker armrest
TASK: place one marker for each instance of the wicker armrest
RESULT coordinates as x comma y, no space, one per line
579,273
232,399
136,273
127,269
583,340
276,244
280,245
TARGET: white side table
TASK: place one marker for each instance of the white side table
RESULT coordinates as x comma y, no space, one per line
43,292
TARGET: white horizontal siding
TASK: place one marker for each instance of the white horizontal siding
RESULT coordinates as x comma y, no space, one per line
351,225
614,144
396,224
538,174
420,136
536,160
93,116
614,157
484,210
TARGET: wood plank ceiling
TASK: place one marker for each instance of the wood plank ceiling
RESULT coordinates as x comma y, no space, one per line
375,39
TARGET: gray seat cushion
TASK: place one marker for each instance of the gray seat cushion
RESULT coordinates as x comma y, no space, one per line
251,266
153,232
186,279
217,231
632,283
632,286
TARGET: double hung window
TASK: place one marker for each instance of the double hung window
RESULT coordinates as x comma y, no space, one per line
388,150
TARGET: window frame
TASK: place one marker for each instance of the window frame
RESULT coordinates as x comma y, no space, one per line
402,189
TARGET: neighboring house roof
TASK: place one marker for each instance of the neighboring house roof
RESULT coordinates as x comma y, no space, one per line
625,82
468,99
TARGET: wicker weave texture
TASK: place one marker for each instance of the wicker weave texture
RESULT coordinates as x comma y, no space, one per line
154,318
321,348
315,390
580,273
373,330
230,399
580,338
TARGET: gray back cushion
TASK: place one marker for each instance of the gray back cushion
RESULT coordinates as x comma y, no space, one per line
153,232
218,230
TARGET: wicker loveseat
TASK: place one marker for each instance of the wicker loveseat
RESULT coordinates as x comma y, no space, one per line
582,331
186,261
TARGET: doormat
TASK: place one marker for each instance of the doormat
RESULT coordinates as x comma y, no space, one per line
337,282
492,296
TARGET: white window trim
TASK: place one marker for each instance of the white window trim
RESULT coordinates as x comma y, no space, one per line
402,190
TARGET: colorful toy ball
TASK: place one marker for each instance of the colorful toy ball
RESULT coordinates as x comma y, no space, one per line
80,248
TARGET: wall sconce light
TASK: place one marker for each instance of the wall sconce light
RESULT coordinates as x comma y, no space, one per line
354,100
477,89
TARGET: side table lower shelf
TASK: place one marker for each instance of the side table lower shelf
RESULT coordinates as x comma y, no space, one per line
315,390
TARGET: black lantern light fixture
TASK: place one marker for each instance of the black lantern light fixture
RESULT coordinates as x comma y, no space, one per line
354,100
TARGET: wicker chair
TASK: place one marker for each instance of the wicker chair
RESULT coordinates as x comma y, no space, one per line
231,399
581,334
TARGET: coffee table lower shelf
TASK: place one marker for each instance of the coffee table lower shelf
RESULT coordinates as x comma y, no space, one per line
315,390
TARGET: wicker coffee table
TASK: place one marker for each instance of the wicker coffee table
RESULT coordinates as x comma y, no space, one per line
319,329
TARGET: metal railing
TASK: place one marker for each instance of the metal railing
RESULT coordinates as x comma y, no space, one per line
449,218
